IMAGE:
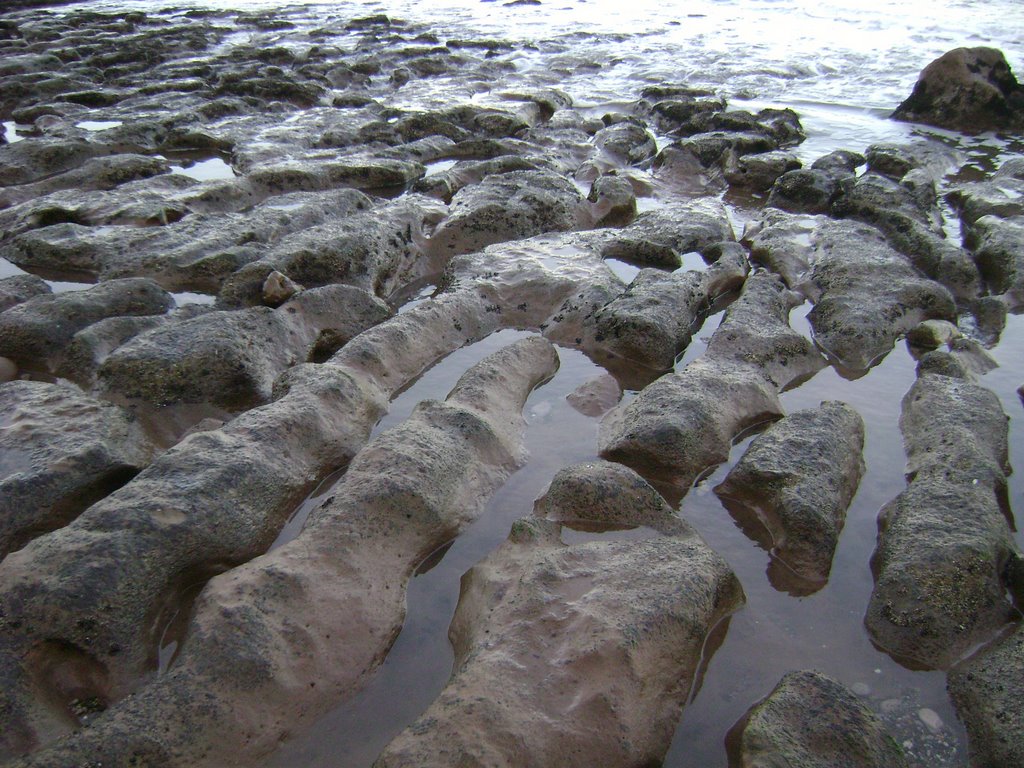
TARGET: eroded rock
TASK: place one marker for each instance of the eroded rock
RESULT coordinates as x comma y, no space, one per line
232,358
1002,195
932,334
805,190
866,295
795,483
60,451
508,206
759,172
36,332
944,542
408,492
92,345
660,238
966,89
912,226
196,253
20,288
986,689
378,250
653,320
812,721
613,201
625,620
97,173
782,242
998,247
895,161
684,423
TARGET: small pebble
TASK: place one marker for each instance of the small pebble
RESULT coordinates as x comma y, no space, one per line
930,718
891,705
862,689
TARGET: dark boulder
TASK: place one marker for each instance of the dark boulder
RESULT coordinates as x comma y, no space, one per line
966,89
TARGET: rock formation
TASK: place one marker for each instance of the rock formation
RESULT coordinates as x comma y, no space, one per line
966,89
582,653
944,544
794,483
812,721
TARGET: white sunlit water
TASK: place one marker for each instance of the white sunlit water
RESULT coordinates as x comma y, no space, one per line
210,169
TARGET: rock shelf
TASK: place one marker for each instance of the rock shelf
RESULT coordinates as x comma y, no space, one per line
228,240
306,624
685,422
865,294
555,643
795,482
944,544
61,451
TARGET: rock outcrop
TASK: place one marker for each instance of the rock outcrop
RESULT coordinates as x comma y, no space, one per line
232,358
812,721
97,589
653,320
20,288
318,214
986,689
508,206
866,295
794,484
195,253
60,451
966,89
912,224
307,624
944,544
576,654
684,423
36,332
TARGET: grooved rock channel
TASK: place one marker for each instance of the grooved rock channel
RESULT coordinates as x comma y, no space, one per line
412,392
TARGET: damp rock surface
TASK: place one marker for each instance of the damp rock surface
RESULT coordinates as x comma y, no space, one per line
407,493
796,480
866,294
643,608
684,423
210,555
37,331
969,89
943,543
232,358
60,450
509,206
810,720
985,689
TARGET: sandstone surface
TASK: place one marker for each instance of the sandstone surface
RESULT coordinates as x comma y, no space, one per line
623,621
